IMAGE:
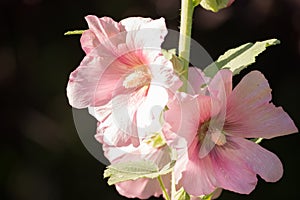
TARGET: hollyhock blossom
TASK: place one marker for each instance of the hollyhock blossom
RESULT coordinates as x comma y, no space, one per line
216,128
121,74
142,188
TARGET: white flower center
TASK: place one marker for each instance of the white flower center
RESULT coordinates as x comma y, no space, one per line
139,77
218,138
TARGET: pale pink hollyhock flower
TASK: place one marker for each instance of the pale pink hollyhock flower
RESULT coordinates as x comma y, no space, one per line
216,128
142,188
121,74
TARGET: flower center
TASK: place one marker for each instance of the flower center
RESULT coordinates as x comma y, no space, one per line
139,77
215,135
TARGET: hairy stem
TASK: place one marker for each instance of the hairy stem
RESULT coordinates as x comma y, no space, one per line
163,188
187,9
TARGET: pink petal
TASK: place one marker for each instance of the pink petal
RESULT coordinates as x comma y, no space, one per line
209,108
263,162
186,112
183,116
89,41
106,32
237,163
93,82
103,27
198,178
83,82
141,188
230,171
249,113
210,112
220,88
221,85
179,144
196,79
231,167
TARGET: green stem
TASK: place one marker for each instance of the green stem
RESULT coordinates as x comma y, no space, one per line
258,140
163,188
76,32
186,19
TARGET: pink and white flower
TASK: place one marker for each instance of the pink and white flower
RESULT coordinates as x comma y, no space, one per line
216,127
121,75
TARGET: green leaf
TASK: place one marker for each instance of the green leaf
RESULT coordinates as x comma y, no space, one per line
207,197
239,58
214,5
182,195
196,2
76,32
130,171
177,62
133,170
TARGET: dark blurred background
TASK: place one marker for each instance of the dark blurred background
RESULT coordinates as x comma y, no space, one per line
41,154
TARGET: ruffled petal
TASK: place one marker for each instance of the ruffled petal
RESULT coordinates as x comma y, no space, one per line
162,72
106,32
108,132
118,119
249,113
88,41
83,82
143,33
95,80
